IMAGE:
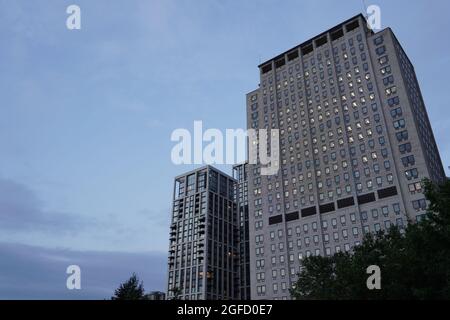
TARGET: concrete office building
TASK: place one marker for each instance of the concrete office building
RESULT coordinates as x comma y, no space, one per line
203,251
355,142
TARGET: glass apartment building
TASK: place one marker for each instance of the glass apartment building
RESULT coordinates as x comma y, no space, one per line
203,258
240,173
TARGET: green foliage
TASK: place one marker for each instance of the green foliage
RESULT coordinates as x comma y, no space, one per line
132,289
414,265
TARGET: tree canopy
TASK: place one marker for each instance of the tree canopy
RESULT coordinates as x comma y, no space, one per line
132,289
414,264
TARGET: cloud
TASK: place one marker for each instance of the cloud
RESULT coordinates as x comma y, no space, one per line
157,217
21,209
32,272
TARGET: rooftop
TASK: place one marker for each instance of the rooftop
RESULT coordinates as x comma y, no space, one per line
307,45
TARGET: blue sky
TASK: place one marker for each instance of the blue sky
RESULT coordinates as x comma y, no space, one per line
86,118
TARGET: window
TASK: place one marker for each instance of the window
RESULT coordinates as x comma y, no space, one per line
393,101
420,204
345,233
375,213
396,207
335,236
316,239
397,112
411,174
408,160
261,290
415,187
385,70
399,124
280,233
387,224
334,222
260,263
307,241
388,80
275,287
391,90
380,50
364,215
378,40
274,260
402,135
383,60
405,148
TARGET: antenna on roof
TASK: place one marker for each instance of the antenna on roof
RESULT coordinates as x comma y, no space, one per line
364,8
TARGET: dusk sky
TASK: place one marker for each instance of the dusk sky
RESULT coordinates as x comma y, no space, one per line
86,116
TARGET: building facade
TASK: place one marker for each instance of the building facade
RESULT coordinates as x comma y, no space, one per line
240,173
155,295
355,142
204,232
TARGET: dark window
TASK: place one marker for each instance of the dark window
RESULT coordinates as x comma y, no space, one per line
378,40
326,207
402,135
321,41
292,216
307,49
352,25
408,160
266,68
336,34
308,211
387,192
366,198
292,55
393,101
346,202
280,62
276,219
380,50
404,148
